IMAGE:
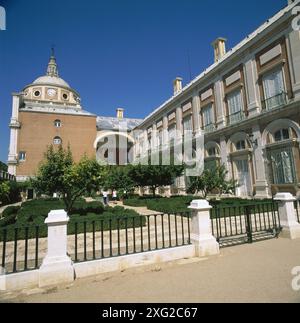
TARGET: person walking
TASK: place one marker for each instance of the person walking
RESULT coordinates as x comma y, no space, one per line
115,196
105,197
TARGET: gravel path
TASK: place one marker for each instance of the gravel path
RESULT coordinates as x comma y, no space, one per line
260,272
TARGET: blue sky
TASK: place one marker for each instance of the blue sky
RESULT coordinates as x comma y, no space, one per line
118,53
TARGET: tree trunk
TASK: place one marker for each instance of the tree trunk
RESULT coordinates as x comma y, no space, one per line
153,191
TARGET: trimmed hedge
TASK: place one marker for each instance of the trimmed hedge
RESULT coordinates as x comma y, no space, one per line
33,214
10,210
114,217
135,202
179,204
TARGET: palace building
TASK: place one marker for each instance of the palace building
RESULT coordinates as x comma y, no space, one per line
247,104
49,111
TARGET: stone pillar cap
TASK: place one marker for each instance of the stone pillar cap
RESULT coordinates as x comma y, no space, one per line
284,197
200,205
57,217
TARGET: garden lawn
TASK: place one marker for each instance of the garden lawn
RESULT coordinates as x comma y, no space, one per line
180,204
32,215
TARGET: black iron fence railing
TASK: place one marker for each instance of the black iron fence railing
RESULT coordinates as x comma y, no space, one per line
245,223
297,209
20,246
112,237
6,176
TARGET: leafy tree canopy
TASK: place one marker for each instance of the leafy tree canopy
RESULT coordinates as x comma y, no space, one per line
3,166
210,180
154,176
118,178
58,173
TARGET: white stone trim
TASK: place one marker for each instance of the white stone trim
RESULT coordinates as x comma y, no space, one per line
101,266
271,54
172,116
187,107
233,78
159,124
261,31
287,214
207,94
279,124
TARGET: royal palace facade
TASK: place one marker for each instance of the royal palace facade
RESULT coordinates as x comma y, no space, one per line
247,104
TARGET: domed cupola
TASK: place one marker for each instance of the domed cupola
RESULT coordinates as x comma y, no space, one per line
51,88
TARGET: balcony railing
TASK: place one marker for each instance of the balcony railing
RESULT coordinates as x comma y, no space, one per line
209,128
6,176
275,101
236,117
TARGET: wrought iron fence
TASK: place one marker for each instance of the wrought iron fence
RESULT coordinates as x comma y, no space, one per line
112,237
245,223
20,247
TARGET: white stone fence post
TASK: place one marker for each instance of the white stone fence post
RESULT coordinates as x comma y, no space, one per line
57,267
201,229
287,215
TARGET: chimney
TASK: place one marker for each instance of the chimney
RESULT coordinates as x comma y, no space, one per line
177,84
219,48
120,113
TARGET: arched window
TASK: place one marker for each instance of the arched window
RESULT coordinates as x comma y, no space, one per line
212,159
57,141
282,134
57,123
240,145
211,152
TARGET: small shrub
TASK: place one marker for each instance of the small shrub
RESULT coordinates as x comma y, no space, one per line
8,220
10,210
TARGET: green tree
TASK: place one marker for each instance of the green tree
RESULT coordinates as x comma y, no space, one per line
203,184
3,166
59,174
4,191
154,176
118,178
210,180
223,185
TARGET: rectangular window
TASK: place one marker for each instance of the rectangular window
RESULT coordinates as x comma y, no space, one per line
273,84
187,124
160,137
274,90
208,119
210,164
172,132
235,107
22,156
141,147
283,168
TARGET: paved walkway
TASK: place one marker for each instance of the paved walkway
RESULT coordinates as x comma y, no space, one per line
2,208
260,272
142,210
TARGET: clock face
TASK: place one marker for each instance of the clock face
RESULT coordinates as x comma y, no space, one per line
51,92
